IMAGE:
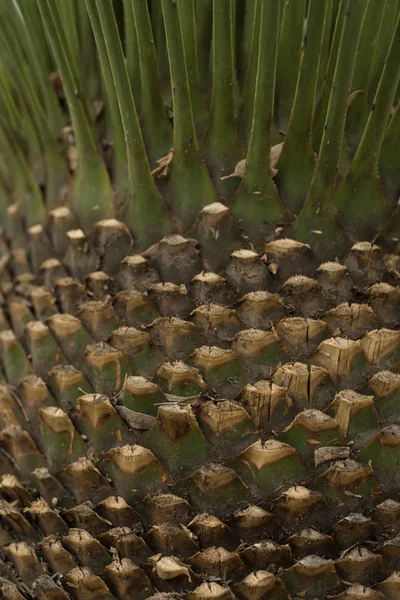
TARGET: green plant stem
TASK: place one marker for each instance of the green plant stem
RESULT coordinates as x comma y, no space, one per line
91,197
360,200
21,122
190,186
89,67
37,30
157,132
322,105
317,220
187,18
297,162
144,212
33,206
386,30
245,116
57,175
67,10
389,160
132,53
36,49
204,11
10,172
288,59
120,166
247,40
357,113
30,195
3,201
325,47
157,21
222,147
256,204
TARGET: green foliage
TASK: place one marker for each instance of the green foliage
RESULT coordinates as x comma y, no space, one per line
163,105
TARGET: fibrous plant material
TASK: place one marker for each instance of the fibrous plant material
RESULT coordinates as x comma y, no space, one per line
199,299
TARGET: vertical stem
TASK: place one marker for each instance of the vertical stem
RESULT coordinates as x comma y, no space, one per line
157,21
389,160
296,164
156,129
91,195
36,48
260,139
222,104
204,11
288,59
318,213
322,106
89,67
357,113
144,211
360,200
191,188
325,47
32,201
257,203
371,142
69,20
222,147
248,37
386,29
183,116
120,172
187,18
132,53
246,108
3,201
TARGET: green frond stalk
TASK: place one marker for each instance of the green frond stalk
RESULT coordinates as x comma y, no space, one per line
157,131
120,169
56,172
325,93
385,36
256,204
187,18
32,38
222,147
189,186
296,164
245,115
32,200
132,52
89,69
325,46
389,161
144,211
192,404
289,53
68,15
357,113
91,195
246,46
317,219
362,179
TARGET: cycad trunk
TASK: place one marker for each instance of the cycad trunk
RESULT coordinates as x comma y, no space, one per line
214,416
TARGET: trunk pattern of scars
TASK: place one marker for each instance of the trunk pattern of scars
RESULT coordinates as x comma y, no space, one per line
167,428
199,318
